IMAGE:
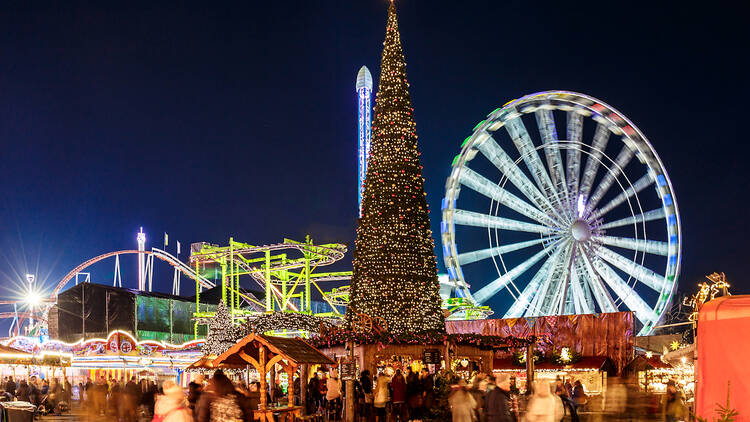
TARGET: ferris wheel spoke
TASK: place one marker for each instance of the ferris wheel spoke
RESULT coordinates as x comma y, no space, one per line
481,184
490,290
474,256
520,136
560,276
546,122
622,160
654,247
638,186
655,214
500,159
602,296
598,145
641,273
475,219
632,300
575,130
580,304
523,301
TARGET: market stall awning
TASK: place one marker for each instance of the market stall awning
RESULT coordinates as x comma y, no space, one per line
293,350
585,364
643,363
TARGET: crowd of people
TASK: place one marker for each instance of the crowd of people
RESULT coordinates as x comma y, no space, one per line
50,396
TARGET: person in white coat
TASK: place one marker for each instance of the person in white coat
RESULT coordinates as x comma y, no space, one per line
544,406
172,406
462,403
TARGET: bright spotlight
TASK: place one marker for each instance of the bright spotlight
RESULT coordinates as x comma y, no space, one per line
33,298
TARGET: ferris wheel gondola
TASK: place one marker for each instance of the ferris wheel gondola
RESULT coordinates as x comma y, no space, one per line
584,224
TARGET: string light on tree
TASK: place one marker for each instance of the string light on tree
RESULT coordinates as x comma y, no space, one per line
395,270
222,333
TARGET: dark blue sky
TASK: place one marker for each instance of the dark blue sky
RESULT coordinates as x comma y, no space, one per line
212,121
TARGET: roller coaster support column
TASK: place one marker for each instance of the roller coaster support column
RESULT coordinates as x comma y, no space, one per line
197,300
269,294
307,278
229,280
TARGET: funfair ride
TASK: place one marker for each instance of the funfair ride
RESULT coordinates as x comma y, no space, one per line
562,241
285,272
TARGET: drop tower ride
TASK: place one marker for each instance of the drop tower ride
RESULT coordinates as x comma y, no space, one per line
364,94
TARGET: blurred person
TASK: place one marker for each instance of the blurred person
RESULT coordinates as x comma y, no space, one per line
413,395
498,404
333,396
313,394
478,391
427,383
615,398
24,392
543,405
461,403
10,386
674,405
195,388
365,382
381,397
172,406
221,402
567,402
579,394
398,395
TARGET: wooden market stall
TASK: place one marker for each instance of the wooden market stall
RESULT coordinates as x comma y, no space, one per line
592,371
45,363
263,353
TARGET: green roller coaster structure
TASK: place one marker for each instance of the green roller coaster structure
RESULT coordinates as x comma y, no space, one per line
285,271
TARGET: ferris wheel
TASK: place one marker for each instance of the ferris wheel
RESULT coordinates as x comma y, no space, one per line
591,227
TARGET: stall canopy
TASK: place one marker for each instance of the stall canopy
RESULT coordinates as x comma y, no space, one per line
723,343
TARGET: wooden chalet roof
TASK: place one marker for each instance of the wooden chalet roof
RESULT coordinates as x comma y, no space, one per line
294,350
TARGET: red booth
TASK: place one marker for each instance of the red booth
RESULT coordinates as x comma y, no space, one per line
723,344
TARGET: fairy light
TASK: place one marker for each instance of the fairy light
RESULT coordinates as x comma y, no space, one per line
222,333
395,269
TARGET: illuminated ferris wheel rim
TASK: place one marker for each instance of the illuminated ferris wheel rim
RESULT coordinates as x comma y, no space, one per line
581,106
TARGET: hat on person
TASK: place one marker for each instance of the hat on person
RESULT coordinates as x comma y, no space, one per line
462,382
500,378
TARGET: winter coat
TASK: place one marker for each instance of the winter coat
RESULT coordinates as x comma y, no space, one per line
381,391
333,389
497,406
173,409
398,388
541,409
462,405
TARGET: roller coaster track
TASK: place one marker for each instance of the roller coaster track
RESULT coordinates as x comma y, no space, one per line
157,253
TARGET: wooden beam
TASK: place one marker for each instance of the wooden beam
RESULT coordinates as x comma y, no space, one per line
249,359
274,360
263,386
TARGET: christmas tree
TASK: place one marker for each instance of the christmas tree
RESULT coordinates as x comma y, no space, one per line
395,271
222,333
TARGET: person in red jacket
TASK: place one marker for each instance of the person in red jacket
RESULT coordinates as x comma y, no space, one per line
398,394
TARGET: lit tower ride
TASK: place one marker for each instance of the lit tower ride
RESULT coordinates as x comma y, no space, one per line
141,238
364,93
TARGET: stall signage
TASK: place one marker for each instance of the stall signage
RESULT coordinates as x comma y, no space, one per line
431,356
348,370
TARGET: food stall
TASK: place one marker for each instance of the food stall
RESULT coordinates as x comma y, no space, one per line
264,353
592,371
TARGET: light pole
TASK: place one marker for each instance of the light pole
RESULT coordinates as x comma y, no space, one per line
31,299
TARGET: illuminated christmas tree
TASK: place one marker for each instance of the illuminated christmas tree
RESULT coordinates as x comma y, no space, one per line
222,333
395,271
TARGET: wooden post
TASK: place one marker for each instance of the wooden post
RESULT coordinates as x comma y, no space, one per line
529,367
350,387
290,390
272,383
263,384
303,388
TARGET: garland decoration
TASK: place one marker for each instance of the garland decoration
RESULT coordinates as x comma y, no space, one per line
519,357
337,338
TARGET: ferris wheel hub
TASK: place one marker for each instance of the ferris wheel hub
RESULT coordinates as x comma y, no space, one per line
580,230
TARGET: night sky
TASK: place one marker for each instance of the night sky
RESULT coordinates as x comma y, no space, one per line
208,121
